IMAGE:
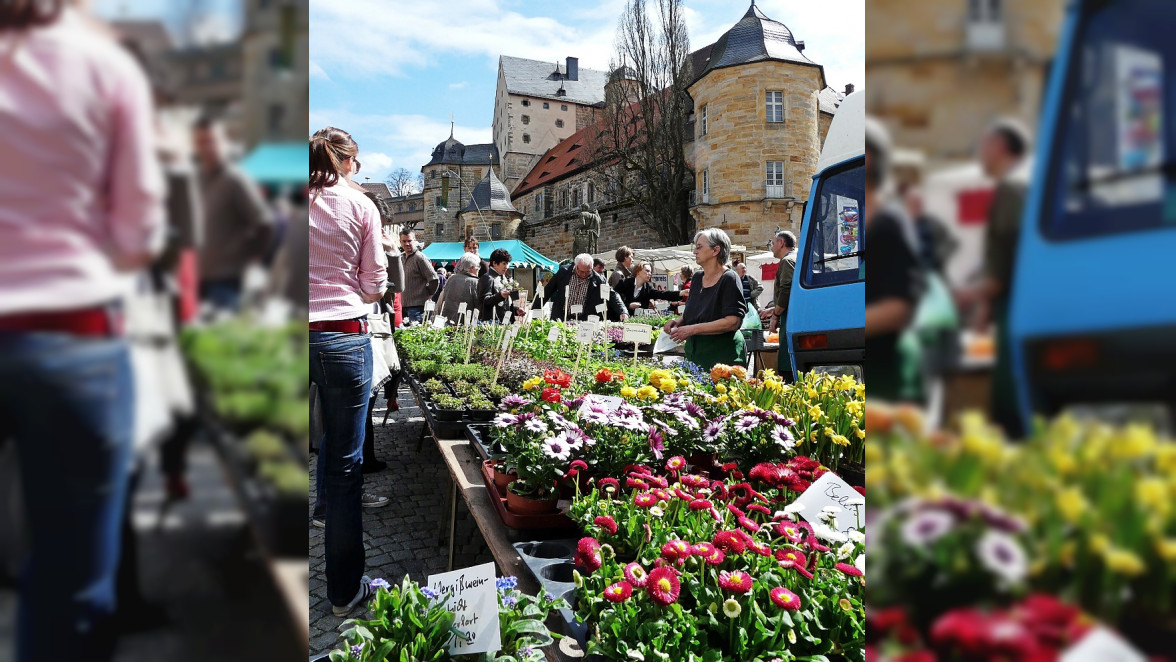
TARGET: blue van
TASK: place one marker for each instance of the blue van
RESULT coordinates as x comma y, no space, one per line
826,308
1093,309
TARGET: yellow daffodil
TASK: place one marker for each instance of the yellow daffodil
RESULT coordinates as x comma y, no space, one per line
814,413
1152,493
1166,548
1124,562
860,391
840,440
859,433
1098,542
810,393
1071,504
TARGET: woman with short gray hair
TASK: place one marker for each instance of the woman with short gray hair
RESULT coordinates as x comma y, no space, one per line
714,312
461,287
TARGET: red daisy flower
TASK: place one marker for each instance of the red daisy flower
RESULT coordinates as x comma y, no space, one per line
729,542
760,548
790,531
635,574
661,495
700,504
790,558
577,466
551,394
803,572
676,550
659,481
784,598
645,500
815,544
759,509
588,554
735,511
729,467
607,523
618,592
682,495
663,586
848,569
606,483
735,582
767,473
695,481
676,463
748,524
636,483
715,557
702,549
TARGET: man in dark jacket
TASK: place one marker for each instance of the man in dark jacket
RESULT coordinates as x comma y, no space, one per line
579,285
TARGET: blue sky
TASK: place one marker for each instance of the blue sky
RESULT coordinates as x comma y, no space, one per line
221,18
391,72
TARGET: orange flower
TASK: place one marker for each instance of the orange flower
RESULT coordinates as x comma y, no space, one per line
720,371
740,372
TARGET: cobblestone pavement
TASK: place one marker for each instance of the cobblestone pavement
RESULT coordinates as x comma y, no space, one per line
203,573
401,538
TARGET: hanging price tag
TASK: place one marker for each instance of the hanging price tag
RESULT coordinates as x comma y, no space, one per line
553,334
604,291
584,332
637,333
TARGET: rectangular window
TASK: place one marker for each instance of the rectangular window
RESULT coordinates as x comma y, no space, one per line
775,107
526,102
775,179
496,230
706,182
526,119
559,124
703,123
563,199
563,106
548,202
440,229
546,105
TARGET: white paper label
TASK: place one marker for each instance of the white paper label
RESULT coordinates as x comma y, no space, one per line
604,291
1101,645
430,305
439,322
594,318
830,490
508,318
547,310
607,402
577,309
553,334
471,594
638,333
661,304
600,309
460,309
584,332
665,343
505,340
530,315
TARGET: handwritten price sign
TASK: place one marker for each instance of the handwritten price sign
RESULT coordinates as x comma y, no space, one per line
473,598
829,490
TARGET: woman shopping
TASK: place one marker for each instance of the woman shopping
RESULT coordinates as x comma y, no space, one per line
637,292
714,312
348,272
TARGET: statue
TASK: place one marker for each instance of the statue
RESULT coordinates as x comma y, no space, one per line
588,233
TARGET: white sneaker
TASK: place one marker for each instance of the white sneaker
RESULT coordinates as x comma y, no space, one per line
373,501
361,598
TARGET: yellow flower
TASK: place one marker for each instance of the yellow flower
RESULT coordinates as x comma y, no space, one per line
1099,542
628,392
845,383
829,432
860,391
1124,562
810,393
532,383
840,440
1152,493
1135,441
647,393
814,413
1166,548
723,399
1063,461
873,454
720,388
1072,504
683,383
854,407
859,433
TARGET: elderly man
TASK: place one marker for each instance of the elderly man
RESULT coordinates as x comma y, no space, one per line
461,287
578,285
420,280
751,287
783,248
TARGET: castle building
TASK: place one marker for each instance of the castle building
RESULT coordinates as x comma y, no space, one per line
450,178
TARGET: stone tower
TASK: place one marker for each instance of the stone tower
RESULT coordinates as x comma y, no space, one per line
489,216
756,130
450,177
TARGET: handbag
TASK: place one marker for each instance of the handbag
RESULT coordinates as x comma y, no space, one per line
381,329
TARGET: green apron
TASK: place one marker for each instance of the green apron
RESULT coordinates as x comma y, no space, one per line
726,348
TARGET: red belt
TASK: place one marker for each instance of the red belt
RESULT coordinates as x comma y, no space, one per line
89,322
341,326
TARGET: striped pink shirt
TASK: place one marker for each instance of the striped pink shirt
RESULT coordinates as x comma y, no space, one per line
346,255
80,183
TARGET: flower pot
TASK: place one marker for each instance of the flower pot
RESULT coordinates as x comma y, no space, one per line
503,480
853,473
521,505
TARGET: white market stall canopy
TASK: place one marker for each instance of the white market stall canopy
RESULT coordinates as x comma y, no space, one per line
668,260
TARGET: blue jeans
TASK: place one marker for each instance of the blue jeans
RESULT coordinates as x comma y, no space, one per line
414,314
320,499
341,365
68,403
222,293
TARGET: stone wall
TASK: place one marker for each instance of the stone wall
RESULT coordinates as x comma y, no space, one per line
459,197
739,141
823,122
934,91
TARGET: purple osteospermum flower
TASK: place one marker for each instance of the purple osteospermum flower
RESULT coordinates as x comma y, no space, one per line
927,527
513,400
746,424
557,448
694,410
535,425
594,416
712,430
783,437
574,404
505,420
656,443
1003,555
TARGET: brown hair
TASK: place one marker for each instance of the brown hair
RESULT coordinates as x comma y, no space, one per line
623,252
329,148
641,266
21,14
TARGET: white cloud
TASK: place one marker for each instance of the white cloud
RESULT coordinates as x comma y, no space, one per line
458,86
315,71
391,141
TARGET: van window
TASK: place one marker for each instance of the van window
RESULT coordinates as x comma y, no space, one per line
833,250
1115,146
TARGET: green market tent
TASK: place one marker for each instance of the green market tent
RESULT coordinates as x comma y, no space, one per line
446,253
278,163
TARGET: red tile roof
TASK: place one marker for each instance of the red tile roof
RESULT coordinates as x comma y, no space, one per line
566,158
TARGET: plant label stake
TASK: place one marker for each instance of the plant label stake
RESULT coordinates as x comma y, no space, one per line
471,595
506,336
567,296
461,309
430,306
637,334
553,334
439,322
471,326
547,310
600,311
577,310
584,333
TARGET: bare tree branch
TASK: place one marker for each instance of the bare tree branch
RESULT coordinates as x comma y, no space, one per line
403,181
639,154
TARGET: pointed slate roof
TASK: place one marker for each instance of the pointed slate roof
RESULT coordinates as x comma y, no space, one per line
754,38
490,194
452,152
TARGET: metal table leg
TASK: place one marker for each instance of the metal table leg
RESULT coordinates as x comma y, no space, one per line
452,519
